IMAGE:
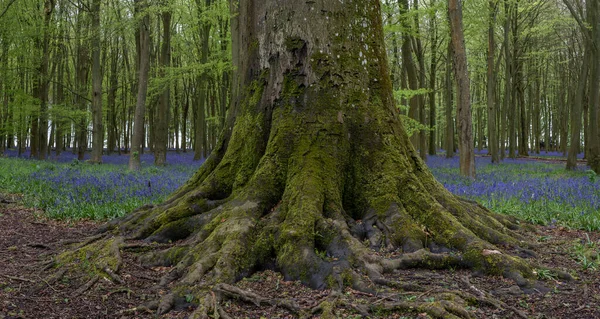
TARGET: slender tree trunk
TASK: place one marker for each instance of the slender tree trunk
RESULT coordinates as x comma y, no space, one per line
491,85
449,106
82,72
184,117
162,119
432,86
465,130
200,138
97,121
410,68
112,129
137,138
577,107
508,84
594,113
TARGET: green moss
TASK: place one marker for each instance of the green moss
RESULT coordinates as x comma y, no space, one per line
92,258
327,309
294,43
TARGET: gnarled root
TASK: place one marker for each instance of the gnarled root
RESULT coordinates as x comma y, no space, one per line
317,217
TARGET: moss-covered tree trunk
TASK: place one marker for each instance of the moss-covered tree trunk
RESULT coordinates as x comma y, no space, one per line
314,175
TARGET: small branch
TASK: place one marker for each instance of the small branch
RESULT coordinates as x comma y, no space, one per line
19,278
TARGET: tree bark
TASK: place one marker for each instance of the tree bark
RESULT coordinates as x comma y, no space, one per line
432,86
594,112
97,121
577,107
465,130
137,138
449,106
162,119
491,85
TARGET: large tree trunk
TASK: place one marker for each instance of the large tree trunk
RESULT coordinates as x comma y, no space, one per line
314,158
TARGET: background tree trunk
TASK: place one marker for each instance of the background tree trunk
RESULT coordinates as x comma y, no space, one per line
577,107
162,119
98,129
465,130
491,85
449,105
137,138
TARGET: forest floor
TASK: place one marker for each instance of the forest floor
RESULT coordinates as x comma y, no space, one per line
27,240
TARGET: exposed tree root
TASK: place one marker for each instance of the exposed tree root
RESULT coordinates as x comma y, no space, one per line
248,296
305,199
332,250
86,286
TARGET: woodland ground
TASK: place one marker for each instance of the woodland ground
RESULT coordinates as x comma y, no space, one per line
28,238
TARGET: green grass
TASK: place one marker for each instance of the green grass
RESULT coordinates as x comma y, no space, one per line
83,191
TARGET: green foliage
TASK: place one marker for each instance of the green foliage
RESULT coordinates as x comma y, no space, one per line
585,252
410,125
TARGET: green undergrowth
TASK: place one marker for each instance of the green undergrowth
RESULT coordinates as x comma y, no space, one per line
78,190
535,191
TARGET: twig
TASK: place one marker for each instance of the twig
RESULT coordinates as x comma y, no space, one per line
47,283
19,278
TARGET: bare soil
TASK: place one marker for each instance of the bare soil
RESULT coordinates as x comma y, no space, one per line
28,241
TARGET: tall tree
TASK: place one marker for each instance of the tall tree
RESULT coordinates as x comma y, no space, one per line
432,80
42,84
201,94
137,139
449,140
491,83
97,120
314,158
463,111
162,119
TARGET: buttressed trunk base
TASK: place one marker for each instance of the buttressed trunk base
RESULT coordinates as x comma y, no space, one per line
315,175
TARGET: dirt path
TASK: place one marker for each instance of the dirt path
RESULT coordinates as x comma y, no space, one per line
27,241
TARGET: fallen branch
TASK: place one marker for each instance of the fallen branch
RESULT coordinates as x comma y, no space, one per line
19,278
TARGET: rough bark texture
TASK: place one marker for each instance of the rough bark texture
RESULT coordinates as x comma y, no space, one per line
463,110
314,174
